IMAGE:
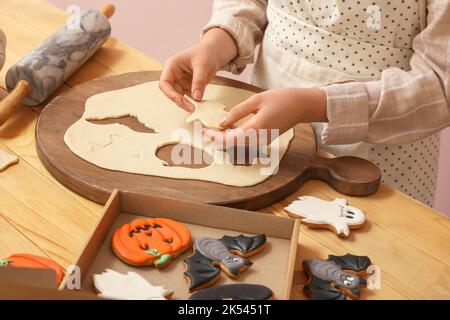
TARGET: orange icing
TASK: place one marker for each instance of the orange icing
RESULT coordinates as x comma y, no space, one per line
170,238
31,261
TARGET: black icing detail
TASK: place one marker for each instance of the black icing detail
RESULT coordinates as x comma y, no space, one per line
351,262
244,244
147,227
200,270
156,226
319,289
233,292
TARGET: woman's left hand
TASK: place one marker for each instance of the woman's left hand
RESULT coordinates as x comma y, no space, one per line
279,109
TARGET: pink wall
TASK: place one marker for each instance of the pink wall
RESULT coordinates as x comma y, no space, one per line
162,28
443,196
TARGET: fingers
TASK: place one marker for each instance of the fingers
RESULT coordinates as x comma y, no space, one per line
175,92
240,111
199,81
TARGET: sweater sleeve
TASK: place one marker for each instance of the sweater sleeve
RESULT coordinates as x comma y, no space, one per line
404,106
245,21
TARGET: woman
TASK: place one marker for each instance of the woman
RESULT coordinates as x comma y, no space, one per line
371,75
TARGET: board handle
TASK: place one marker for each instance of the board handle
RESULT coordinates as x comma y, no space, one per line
348,175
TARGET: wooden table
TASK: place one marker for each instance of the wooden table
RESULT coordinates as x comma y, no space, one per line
407,240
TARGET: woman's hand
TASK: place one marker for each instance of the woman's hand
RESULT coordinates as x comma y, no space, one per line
191,70
279,109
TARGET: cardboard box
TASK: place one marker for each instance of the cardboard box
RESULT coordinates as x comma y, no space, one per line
273,267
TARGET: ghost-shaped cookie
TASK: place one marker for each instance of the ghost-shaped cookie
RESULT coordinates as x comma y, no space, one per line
335,215
131,286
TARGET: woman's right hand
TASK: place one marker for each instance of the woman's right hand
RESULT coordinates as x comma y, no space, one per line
191,70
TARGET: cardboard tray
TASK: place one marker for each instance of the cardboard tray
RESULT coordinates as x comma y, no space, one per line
273,267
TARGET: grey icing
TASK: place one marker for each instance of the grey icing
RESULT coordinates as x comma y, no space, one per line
332,272
319,289
216,251
2,48
58,57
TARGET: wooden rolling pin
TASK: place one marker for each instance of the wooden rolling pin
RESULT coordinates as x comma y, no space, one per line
36,76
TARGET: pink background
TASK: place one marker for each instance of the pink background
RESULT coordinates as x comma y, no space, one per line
162,28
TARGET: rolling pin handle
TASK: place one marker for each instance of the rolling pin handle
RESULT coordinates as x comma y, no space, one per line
108,10
9,103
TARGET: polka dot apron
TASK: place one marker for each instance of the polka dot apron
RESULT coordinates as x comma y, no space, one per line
317,42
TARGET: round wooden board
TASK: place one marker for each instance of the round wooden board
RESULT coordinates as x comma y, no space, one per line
97,183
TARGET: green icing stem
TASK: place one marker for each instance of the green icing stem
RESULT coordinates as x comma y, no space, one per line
163,260
153,252
5,263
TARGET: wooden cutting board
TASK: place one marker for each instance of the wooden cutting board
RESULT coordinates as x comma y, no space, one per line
348,175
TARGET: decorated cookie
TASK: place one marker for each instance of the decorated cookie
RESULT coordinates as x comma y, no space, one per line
245,246
236,291
24,260
152,241
335,278
131,286
216,251
352,263
335,215
228,254
200,272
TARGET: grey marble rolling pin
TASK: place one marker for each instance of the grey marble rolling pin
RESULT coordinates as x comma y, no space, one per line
35,77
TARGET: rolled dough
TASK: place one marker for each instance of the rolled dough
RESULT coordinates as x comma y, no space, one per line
209,113
7,160
117,147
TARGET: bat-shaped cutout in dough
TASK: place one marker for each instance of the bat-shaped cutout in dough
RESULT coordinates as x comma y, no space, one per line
208,112
337,278
335,215
212,255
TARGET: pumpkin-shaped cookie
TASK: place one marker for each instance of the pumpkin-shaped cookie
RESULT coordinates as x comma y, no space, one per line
153,241
24,260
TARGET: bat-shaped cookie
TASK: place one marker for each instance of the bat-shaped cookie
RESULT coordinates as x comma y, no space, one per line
228,254
235,291
335,278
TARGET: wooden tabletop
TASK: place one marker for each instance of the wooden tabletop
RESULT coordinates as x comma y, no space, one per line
407,240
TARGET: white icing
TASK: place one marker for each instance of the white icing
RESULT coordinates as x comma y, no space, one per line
131,286
320,212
